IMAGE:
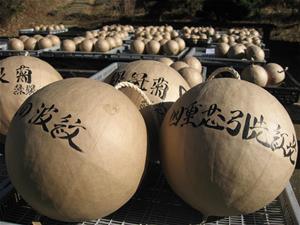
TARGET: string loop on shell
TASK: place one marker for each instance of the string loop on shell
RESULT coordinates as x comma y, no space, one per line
220,70
126,84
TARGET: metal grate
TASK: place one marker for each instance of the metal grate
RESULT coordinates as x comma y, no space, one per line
154,203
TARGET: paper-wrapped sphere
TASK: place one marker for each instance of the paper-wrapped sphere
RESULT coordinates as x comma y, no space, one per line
80,151
226,153
21,76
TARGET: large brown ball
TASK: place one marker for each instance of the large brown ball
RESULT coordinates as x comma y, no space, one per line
86,45
178,65
15,44
222,49
276,74
237,51
137,46
181,43
89,35
20,77
163,41
192,76
112,42
102,45
193,62
38,37
62,27
166,61
23,38
161,84
225,153
75,161
171,47
68,46
157,80
255,74
56,27
44,43
256,53
152,47
55,40
119,41
37,28
30,44
78,40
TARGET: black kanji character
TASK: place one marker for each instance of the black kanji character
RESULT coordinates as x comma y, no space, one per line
30,89
234,131
258,130
278,139
290,150
65,130
19,89
139,79
43,116
190,112
2,74
117,77
176,116
160,87
24,74
211,121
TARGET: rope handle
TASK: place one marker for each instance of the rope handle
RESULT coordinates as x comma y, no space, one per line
126,84
220,70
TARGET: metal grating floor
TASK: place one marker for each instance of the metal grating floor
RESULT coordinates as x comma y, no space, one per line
154,203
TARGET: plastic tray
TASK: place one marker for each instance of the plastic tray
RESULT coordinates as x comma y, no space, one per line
78,54
68,73
199,43
211,60
102,74
36,53
156,203
126,55
31,31
266,50
287,93
3,45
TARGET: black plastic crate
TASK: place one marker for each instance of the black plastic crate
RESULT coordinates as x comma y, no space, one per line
287,92
82,55
102,74
126,55
31,31
35,53
207,57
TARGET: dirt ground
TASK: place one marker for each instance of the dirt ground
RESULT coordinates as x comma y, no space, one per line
91,13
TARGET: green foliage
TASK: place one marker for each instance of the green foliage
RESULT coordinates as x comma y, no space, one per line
9,8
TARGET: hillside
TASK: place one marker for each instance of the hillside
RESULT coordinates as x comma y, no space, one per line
82,13
17,14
